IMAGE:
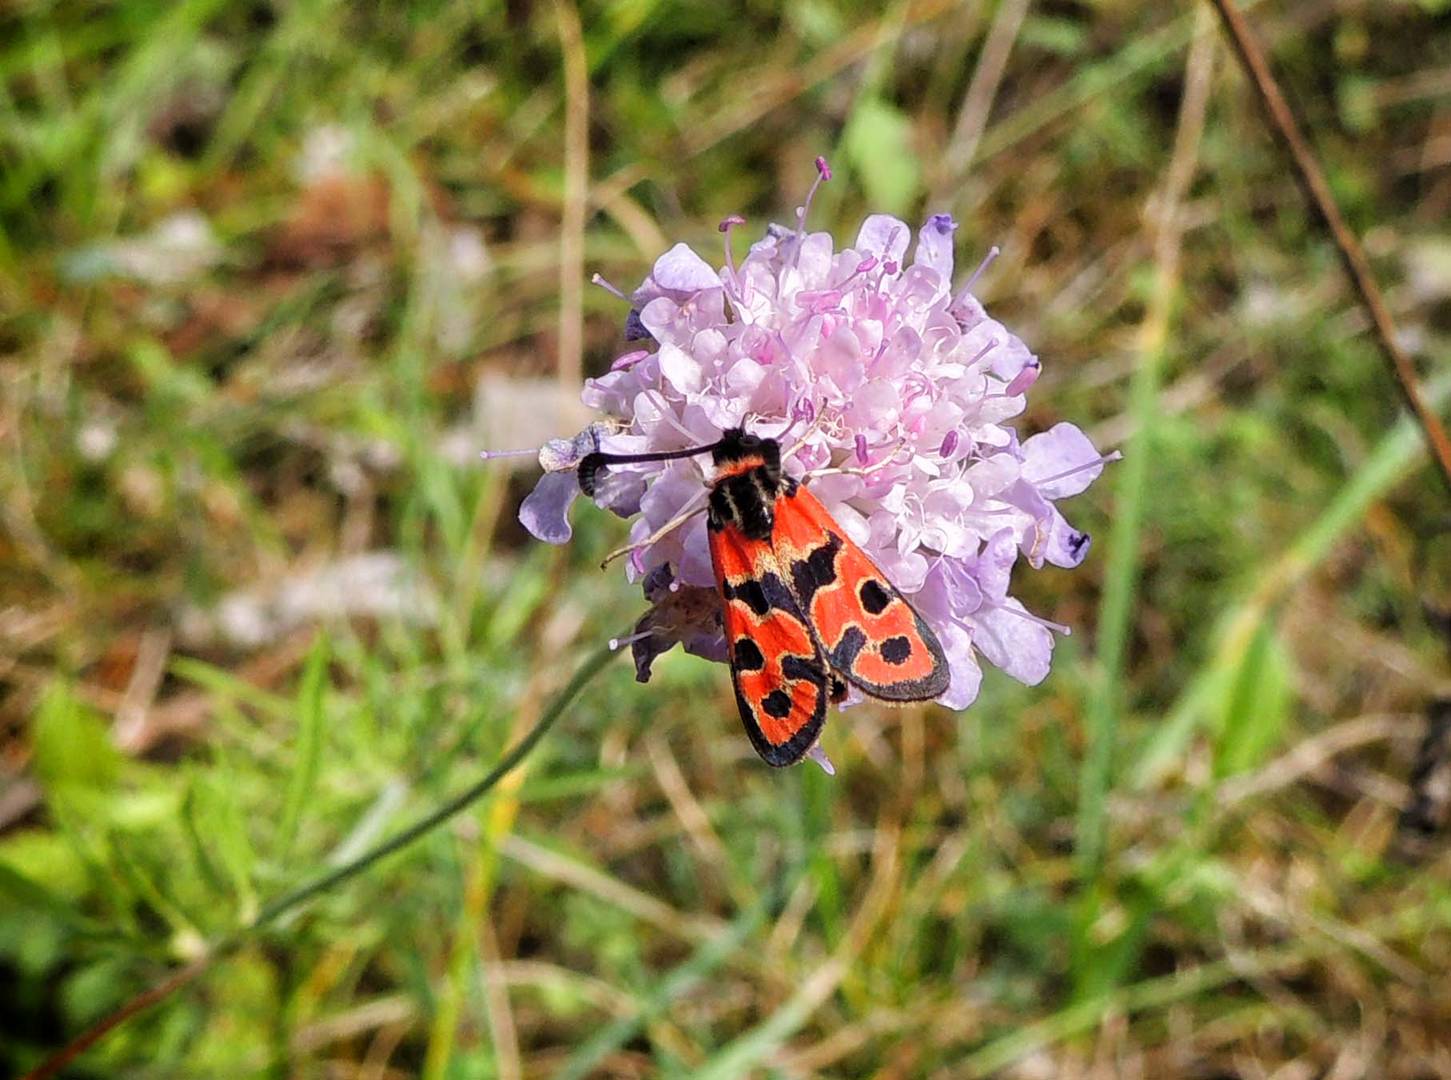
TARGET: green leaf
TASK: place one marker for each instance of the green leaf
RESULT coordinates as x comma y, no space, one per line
878,144
24,892
1257,705
216,829
71,745
47,857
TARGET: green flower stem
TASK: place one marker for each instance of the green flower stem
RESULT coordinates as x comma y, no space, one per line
424,825
297,898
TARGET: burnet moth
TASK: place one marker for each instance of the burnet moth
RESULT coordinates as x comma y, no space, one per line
805,610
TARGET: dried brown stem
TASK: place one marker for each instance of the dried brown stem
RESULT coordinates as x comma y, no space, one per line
1317,191
138,1004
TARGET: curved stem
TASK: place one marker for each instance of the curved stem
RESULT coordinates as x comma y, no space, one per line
176,979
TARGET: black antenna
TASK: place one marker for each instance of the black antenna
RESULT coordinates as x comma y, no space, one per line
592,463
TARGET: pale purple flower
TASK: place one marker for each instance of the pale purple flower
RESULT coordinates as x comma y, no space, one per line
892,396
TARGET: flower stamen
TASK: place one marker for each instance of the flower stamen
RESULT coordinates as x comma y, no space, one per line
1023,379
846,470
987,260
1066,631
823,174
617,643
727,223
693,507
597,279
630,359
1113,455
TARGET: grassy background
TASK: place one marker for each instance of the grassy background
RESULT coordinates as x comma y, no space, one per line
271,274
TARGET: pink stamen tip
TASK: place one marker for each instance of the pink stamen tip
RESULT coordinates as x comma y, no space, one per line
1022,380
949,443
730,222
803,410
629,360
595,279
867,264
861,450
890,266
823,173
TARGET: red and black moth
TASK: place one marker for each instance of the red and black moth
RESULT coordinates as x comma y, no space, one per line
805,610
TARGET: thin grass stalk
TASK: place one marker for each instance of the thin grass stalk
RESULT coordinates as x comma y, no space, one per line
1121,577
296,899
1322,201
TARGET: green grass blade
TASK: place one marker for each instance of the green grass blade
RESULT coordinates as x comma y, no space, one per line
679,982
1385,467
1107,697
310,709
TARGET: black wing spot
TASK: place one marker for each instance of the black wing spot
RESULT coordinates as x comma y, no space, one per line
752,593
874,598
747,656
845,653
817,570
896,650
800,668
777,703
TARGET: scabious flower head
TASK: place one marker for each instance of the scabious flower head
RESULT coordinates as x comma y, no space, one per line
892,395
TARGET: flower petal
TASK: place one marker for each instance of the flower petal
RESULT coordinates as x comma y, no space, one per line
1014,641
934,246
545,510
1061,461
884,236
995,566
962,664
1066,546
681,271
680,369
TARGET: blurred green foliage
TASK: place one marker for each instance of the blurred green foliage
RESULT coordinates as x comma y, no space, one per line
256,264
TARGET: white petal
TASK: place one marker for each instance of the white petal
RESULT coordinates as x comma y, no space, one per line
962,663
934,245
1060,449
682,270
545,510
884,236
1013,641
681,370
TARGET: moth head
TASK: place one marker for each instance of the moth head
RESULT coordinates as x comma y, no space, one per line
588,470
